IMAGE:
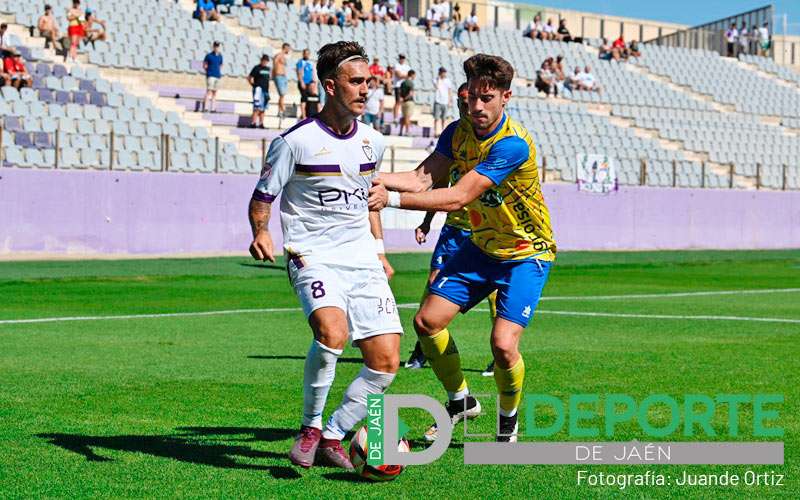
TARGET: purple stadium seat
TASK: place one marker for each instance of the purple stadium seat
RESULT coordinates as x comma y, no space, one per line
80,98
23,139
38,82
62,97
59,71
97,98
13,124
25,52
46,95
42,140
42,69
87,85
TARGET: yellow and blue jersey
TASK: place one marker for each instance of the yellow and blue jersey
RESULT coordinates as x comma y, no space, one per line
509,221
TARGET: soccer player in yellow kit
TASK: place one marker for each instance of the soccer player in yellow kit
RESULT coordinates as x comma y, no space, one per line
511,248
454,233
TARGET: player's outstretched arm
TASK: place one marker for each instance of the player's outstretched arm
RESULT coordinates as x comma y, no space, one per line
456,197
424,228
433,169
261,247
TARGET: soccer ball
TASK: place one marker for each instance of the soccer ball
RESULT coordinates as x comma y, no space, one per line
358,457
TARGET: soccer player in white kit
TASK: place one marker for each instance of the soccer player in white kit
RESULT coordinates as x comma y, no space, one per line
324,166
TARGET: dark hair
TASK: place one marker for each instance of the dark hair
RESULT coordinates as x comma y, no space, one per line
286,45
264,57
47,7
411,72
331,55
493,71
462,88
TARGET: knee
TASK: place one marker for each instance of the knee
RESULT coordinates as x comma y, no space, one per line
331,335
386,362
424,326
505,351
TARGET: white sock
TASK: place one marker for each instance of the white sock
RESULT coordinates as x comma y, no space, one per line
354,403
318,377
455,396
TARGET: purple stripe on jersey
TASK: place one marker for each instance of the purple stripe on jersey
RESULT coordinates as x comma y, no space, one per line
318,169
366,167
334,134
295,259
263,197
297,126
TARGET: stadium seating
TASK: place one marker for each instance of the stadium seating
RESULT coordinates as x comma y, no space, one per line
694,118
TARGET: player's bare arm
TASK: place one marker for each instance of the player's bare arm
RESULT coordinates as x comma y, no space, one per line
456,197
261,247
424,228
433,169
377,231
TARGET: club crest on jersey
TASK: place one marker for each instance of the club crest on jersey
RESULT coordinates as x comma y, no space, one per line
367,149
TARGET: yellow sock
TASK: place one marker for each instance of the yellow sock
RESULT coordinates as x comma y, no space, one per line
509,385
441,351
492,298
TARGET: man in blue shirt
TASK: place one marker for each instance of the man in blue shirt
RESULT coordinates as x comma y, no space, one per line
206,9
212,64
305,76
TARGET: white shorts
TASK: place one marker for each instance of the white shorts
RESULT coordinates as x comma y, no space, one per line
363,294
212,83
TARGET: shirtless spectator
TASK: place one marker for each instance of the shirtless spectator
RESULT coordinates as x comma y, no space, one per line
558,69
545,79
94,34
279,76
48,28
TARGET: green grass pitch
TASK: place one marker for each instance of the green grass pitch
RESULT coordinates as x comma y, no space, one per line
206,405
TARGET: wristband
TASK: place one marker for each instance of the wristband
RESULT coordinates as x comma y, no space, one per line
379,248
394,199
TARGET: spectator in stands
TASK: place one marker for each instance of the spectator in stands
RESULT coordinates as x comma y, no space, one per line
312,102
329,13
5,45
444,10
93,34
545,79
206,10
744,38
458,28
256,5
375,69
394,10
731,35
48,28
14,67
586,80
212,65
441,100
280,77
358,10
388,80
224,3
549,31
305,77
471,23
373,112
432,17
535,29
604,51
351,16
633,49
380,12
619,49
401,71
259,82
563,34
74,29
763,39
573,82
407,98
558,69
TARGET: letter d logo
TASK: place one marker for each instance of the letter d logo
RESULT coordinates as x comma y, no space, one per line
391,403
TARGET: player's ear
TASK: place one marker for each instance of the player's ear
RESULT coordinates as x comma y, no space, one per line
506,96
329,86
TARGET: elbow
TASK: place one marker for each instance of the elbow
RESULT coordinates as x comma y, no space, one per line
460,201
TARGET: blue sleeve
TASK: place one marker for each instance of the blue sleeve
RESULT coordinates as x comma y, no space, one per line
445,144
505,156
205,59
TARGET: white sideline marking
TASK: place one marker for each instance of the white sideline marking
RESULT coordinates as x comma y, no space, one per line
672,294
400,306
663,316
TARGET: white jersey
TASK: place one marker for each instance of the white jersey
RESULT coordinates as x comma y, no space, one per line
325,180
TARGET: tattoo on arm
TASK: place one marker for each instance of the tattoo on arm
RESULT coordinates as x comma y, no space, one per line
259,212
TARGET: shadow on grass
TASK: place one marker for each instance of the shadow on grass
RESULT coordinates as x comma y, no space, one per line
263,266
302,358
189,446
348,477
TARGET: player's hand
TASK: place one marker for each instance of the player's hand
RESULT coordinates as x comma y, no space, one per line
378,195
261,247
387,267
421,233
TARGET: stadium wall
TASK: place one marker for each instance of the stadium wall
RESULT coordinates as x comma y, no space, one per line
93,213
